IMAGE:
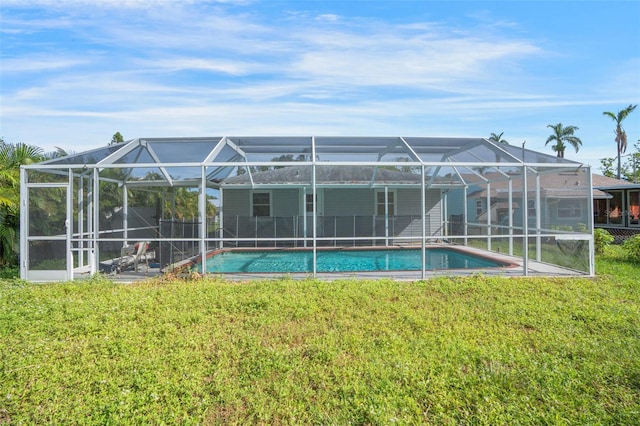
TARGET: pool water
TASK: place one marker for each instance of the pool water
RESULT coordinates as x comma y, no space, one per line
282,261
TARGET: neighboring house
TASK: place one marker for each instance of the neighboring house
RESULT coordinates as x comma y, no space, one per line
616,206
350,203
560,196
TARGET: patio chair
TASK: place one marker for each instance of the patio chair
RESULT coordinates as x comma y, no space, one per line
132,255
141,254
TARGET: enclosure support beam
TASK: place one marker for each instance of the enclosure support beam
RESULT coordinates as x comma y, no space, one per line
445,212
465,214
203,217
24,228
538,220
423,213
80,206
386,216
69,224
489,216
90,228
125,214
96,220
592,259
315,210
510,210
221,215
525,224
304,216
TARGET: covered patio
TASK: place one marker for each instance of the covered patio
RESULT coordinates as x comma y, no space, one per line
182,198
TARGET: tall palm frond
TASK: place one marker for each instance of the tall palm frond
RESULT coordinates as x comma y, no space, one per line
621,135
497,138
561,135
57,153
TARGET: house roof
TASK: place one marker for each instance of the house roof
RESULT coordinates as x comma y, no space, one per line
566,184
604,182
563,184
326,175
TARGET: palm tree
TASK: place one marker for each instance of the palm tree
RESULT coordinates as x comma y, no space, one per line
621,135
561,135
12,156
497,138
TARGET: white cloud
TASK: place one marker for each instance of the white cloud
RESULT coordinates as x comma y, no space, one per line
177,64
329,17
39,63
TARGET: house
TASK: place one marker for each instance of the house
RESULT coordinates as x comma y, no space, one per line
616,206
361,205
554,201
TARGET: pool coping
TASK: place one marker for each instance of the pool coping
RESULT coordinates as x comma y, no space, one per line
506,262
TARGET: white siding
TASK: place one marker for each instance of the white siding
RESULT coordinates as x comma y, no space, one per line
434,211
409,204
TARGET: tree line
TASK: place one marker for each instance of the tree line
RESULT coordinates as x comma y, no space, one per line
562,136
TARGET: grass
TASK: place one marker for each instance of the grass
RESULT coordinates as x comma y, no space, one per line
474,350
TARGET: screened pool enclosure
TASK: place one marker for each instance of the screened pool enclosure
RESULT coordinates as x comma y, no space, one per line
153,205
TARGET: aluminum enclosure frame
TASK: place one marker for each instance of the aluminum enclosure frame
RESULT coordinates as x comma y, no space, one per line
465,161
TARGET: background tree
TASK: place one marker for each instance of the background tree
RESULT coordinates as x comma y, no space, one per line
12,156
621,135
116,138
562,135
606,164
57,153
631,167
497,138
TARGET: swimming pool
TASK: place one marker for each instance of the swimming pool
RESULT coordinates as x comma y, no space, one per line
283,261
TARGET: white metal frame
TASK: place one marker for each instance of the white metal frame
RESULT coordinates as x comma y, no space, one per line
352,145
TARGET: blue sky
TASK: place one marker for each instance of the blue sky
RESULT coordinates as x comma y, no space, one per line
74,72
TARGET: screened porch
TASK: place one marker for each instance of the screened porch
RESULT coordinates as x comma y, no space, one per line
151,205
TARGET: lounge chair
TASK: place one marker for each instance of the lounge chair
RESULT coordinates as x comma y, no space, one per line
132,255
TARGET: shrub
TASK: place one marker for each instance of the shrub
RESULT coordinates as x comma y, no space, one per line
581,227
631,247
601,239
9,272
566,228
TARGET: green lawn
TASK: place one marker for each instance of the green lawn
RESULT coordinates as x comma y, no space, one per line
478,350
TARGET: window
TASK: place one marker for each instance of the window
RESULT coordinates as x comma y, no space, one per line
309,203
261,204
634,207
615,208
531,208
600,211
380,210
569,208
479,208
